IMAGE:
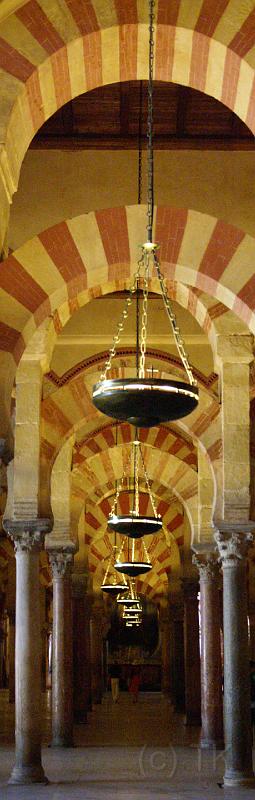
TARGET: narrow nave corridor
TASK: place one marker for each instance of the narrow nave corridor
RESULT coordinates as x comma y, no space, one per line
125,751
127,399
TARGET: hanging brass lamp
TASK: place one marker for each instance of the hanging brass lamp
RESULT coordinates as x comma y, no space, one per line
133,567
134,524
142,401
111,584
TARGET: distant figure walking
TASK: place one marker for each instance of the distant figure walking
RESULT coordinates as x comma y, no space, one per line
135,685
115,682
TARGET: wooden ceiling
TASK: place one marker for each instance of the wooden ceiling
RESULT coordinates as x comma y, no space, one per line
108,118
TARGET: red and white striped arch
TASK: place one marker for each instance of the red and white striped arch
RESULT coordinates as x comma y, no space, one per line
109,465
50,53
163,437
163,550
208,265
94,483
69,411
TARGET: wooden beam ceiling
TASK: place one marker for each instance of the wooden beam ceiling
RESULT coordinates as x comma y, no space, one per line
108,118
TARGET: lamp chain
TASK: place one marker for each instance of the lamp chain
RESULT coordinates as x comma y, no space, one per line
136,471
146,552
120,326
150,165
149,257
143,342
148,485
176,330
119,487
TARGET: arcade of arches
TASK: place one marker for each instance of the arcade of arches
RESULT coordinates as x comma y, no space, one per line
72,97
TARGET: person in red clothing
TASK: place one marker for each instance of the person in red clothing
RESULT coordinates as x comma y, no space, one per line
135,685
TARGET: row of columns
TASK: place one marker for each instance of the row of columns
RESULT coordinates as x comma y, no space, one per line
204,669
68,598
232,548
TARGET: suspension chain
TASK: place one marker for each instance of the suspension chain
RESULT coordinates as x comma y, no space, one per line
176,330
107,571
156,515
149,249
121,323
120,487
143,339
150,165
146,552
136,476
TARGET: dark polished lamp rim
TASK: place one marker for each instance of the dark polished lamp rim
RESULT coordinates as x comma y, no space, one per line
145,402
133,568
133,526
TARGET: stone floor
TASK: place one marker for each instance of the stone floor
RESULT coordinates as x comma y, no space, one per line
125,751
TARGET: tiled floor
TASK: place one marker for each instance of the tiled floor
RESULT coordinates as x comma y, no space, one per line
125,752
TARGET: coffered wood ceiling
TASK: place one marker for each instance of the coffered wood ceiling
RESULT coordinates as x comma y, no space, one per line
108,117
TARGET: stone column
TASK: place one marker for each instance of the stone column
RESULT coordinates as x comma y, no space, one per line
192,654
2,637
43,636
11,655
62,653
10,605
233,358
88,685
211,668
96,638
166,645
233,542
105,664
80,648
252,631
178,657
28,538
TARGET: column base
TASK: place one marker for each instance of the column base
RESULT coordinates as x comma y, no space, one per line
235,778
211,744
22,776
60,741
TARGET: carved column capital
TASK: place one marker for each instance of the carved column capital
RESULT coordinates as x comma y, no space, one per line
27,535
61,562
207,567
233,542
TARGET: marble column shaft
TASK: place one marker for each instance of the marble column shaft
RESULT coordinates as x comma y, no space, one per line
166,645
28,539
211,668
81,649
178,657
96,654
2,636
192,654
11,653
233,548
62,649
